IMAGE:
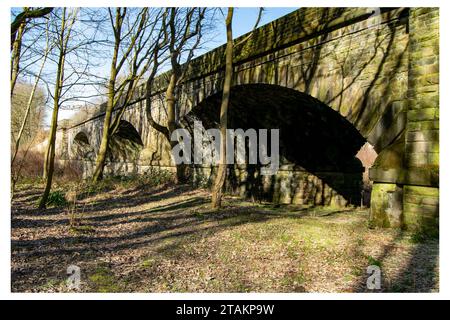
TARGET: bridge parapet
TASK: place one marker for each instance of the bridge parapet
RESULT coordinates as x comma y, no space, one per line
303,25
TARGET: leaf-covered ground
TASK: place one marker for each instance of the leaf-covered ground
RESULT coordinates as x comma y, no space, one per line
167,239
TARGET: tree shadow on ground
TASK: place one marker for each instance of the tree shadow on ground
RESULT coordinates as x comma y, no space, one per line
417,275
114,230
161,229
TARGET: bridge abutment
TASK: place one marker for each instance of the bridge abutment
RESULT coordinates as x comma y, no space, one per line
406,174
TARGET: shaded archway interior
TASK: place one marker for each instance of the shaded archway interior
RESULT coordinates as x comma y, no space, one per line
126,144
81,146
317,145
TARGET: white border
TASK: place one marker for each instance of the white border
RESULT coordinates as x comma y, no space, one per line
444,149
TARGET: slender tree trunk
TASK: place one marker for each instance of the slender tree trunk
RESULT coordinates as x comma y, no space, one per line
15,59
170,101
103,150
27,112
49,162
22,128
104,144
216,199
172,124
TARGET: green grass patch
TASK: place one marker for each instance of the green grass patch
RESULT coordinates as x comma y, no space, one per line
86,229
103,280
56,199
422,236
373,261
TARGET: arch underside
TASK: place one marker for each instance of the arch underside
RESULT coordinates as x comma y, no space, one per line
125,145
317,146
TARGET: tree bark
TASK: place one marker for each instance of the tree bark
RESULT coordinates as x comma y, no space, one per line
117,94
216,199
49,161
103,150
177,45
15,59
101,156
181,176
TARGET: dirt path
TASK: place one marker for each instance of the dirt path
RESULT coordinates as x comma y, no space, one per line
167,239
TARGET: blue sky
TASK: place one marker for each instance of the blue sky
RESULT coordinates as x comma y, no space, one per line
244,18
243,21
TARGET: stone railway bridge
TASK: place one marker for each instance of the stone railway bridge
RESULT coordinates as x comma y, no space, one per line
332,80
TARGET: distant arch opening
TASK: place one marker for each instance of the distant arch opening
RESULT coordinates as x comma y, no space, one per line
367,155
81,147
317,146
126,144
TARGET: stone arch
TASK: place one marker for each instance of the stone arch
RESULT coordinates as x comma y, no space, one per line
81,147
126,144
378,120
317,145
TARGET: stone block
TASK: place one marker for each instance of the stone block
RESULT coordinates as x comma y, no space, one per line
423,114
421,209
425,135
423,125
422,147
386,205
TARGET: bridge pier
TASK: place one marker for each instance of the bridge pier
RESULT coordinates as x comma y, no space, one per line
406,174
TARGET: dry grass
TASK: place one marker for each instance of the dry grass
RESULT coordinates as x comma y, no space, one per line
166,239
29,165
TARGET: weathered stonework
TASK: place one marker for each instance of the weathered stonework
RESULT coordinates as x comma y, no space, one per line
418,172
330,79
387,198
421,208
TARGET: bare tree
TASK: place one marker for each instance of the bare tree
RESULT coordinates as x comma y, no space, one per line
74,39
183,31
63,29
29,105
221,172
216,198
31,102
15,55
18,28
133,48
